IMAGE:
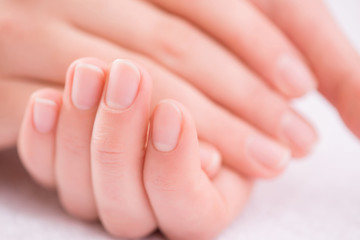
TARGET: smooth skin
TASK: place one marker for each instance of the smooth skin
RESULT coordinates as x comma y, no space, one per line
222,89
215,63
92,144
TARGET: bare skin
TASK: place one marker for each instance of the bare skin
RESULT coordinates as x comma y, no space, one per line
217,65
226,89
180,42
91,144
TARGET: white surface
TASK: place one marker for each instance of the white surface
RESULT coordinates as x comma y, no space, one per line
317,198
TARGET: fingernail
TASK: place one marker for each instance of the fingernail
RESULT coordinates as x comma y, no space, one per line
166,126
87,86
268,153
44,115
298,132
124,80
296,79
210,159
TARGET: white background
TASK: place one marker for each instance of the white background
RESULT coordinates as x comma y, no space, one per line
317,198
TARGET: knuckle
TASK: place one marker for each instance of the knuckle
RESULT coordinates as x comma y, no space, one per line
163,184
8,26
106,151
107,156
13,28
73,145
173,38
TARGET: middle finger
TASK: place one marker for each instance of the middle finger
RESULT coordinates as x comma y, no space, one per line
117,152
204,63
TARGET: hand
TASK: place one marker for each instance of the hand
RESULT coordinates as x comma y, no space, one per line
335,62
265,32
221,92
92,145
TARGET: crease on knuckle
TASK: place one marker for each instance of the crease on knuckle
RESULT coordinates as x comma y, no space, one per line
108,156
73,145
106,150
163,184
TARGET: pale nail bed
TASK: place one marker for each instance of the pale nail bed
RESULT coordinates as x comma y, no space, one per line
87,86
44,115
166,129
268,153
124,81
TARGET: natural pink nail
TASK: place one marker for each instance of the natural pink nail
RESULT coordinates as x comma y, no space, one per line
298,132
87,86
166,128
124,81
44,114
210,159
295,79
267,152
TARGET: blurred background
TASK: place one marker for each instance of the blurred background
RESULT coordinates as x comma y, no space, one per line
317,198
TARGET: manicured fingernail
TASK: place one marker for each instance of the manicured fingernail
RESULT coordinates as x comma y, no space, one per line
87,86
295,78
166,126
268,153
124,80
210,159
298,132
44,114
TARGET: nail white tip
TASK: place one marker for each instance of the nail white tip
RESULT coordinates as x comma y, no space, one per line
129,63
45,101
91,67
163,147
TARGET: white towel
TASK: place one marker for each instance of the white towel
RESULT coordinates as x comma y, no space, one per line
317,198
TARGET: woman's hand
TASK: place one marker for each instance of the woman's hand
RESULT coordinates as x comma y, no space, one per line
93,145
221,53
334,61
234,109
282,41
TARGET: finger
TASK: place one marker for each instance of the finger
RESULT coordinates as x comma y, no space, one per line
240,27
117,152
227,132
83,90
176,184
223,79
36,144
335,62
210,159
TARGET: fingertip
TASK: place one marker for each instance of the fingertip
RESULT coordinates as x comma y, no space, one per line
294,77
167,124
45,109
36,140
298,133
86,60
210,158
